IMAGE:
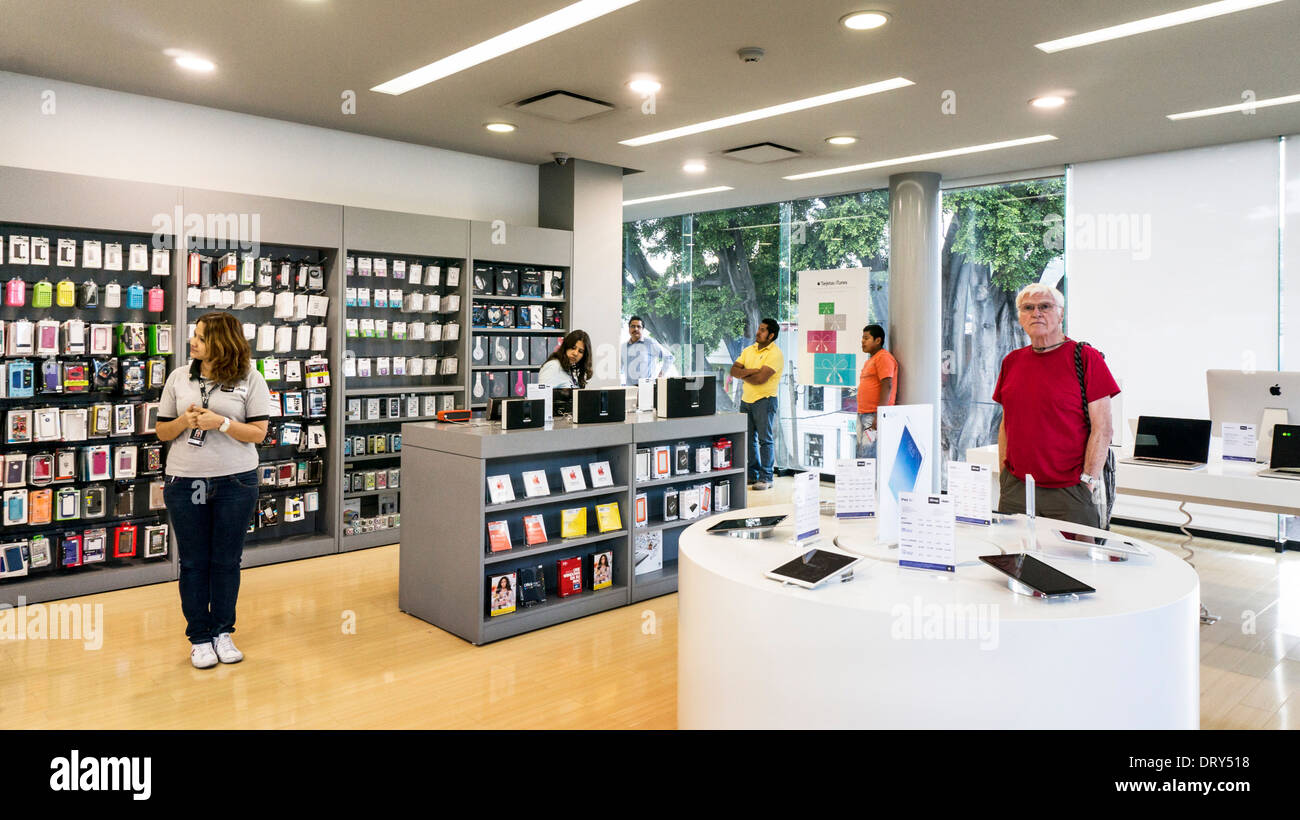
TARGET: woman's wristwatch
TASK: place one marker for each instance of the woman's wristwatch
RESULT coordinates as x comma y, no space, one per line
225,425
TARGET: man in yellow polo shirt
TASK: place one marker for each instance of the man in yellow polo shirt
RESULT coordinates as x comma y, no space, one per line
760,366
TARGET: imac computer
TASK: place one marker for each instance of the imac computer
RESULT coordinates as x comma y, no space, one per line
1244,398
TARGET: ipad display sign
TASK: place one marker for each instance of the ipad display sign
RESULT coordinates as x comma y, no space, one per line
905,461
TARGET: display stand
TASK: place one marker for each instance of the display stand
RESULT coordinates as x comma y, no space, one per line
648,433
300,233
507,348
370,502
447,557
53,207
54,204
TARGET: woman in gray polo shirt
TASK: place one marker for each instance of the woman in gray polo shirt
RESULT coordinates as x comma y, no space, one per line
213,412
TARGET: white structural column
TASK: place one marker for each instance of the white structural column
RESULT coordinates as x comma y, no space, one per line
587,198
916,291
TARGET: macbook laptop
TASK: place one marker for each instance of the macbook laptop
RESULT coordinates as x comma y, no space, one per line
1284,462
1182,444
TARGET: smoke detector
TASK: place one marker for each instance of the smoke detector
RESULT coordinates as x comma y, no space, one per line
750,54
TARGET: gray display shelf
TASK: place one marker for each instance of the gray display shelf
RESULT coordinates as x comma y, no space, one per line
649,432
293,548
86,204
445,562
366,540
388,391
51,205
543,248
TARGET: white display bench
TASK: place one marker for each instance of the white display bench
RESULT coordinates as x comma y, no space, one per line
753,653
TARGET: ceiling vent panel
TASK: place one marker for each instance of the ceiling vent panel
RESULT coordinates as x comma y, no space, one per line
563,106
761,152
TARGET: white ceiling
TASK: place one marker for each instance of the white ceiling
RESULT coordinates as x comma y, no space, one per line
293,59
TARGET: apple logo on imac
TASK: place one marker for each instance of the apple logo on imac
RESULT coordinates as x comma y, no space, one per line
1275,390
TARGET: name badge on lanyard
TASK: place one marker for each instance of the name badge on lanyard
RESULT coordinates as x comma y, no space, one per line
198,436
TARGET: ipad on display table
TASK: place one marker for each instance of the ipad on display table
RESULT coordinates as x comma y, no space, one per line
765,522
813,567
1110,542
1038,576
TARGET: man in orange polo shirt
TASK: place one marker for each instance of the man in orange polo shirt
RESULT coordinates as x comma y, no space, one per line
877,386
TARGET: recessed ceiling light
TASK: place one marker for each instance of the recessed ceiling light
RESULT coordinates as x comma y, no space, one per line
864,20
1050,101
1228,109
841,140
189,61
677,195
499,127
695,167
770,111
1174,18
952,152
527,34
644,87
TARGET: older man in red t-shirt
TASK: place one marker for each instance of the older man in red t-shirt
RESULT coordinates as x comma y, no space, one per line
1043,432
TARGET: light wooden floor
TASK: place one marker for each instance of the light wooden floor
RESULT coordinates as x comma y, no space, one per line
614,670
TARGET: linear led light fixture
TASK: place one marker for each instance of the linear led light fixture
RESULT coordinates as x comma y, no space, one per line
527,34
1173,18
951,152
1228,109
677,195
770,111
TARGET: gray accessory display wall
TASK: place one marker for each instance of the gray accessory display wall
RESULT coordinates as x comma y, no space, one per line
53,201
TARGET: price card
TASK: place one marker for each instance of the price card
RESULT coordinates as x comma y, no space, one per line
970,486
807,506
927,530
855,488
1239,442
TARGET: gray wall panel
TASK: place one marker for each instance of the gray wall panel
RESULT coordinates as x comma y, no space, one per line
392,232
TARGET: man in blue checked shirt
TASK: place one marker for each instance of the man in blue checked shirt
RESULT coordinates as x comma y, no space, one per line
643,357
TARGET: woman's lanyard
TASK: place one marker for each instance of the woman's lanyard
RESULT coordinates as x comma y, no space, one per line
205,391
198,436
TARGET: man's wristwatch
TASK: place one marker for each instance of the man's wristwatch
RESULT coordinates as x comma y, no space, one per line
225,425
1090,480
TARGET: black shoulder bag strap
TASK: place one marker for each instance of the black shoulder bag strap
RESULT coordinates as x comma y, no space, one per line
1108,470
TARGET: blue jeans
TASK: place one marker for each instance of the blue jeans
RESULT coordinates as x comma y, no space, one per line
867,449
210,518
762,444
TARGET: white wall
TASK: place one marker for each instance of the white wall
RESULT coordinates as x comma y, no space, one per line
126,136
1193,286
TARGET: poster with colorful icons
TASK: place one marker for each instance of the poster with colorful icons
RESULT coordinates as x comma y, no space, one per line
833,309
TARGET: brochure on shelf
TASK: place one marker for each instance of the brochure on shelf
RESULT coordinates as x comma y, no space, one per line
535,484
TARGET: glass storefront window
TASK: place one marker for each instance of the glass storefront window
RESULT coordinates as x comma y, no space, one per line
997,239
701,282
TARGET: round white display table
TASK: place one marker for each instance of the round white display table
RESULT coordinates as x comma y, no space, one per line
901,648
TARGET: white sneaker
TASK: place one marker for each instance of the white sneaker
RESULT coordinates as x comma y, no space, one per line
760,486
202,655
226,650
